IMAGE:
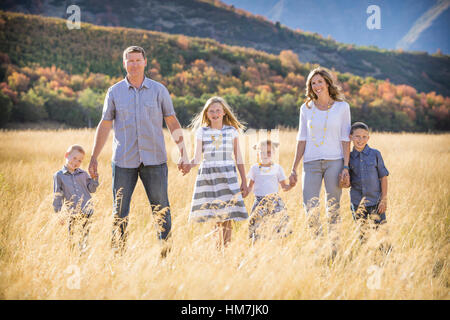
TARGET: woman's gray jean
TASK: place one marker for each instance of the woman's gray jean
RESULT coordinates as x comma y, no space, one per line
313,174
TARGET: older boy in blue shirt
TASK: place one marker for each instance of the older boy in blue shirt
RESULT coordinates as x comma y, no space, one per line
368,178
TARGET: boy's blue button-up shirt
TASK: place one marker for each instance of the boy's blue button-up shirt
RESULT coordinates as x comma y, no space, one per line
74,188
366,170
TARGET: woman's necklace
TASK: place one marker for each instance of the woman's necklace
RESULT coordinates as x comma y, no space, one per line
313,137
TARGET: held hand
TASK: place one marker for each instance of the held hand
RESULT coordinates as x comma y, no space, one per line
93,168
345,173
244,190
344,179
382,206
293,179
180,164
185,168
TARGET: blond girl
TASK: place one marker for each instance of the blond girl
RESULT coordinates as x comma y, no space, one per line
217,194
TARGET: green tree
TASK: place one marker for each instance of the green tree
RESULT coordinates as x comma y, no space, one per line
289,110
66,110
30,107
246,109
91,103
5,109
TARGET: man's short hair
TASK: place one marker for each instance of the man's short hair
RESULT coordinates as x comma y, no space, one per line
133,49
359,125
75,147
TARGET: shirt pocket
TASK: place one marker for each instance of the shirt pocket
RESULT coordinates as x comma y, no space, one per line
371,168
150,109
123,112
370,163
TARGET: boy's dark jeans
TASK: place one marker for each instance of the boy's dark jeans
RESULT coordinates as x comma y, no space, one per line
363,213
154,179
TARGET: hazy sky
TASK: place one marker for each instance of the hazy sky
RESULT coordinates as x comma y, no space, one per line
421,25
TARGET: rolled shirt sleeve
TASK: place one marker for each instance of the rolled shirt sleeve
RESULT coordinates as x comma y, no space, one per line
346,123
382,171
109,110
58,194
166,103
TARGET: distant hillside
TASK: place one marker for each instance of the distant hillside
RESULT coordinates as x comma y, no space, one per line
227,24
48,72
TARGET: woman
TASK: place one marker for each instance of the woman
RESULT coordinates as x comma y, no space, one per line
323,143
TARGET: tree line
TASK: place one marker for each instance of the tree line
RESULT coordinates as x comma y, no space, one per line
259,97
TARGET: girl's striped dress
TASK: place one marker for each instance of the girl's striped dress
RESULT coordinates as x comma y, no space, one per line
217,192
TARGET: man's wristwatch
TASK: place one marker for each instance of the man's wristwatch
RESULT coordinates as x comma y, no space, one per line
347,167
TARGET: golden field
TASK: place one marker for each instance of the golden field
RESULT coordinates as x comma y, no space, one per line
35,262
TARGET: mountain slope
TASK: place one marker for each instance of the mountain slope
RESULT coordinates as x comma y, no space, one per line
231,26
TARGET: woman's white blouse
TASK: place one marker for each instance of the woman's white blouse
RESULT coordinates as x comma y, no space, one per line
321,143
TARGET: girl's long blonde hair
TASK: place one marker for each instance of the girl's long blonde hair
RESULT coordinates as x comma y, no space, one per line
334,90
229,118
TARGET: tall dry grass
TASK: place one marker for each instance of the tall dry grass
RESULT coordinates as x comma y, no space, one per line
35,262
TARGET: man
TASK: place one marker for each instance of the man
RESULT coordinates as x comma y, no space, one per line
135,107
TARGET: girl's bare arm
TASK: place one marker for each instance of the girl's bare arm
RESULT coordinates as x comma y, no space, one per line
197,153
240,166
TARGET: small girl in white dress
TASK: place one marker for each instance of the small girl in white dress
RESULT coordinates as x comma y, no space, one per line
264,179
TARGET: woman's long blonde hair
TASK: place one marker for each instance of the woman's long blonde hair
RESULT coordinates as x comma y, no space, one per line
229,118
334,90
